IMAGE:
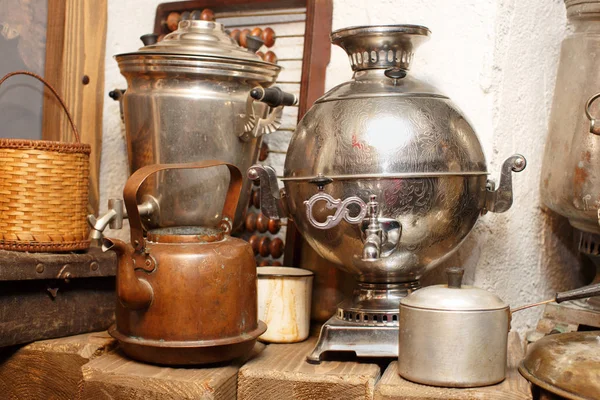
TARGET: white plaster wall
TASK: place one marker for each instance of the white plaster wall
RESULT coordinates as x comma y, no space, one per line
497,60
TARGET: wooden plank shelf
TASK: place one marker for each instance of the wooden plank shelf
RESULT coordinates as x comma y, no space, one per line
50,369
90,366
115,377
281,372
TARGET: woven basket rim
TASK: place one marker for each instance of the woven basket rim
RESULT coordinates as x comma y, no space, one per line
48,145
38,247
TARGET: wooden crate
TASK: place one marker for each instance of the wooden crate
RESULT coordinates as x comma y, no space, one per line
45,295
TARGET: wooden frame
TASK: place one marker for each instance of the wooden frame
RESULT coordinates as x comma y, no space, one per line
316,56
75,51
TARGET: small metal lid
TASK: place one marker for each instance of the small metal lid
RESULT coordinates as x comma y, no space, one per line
454,296
196,37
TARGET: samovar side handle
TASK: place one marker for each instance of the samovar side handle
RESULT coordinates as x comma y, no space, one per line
594,128
271,203
276,99
499,200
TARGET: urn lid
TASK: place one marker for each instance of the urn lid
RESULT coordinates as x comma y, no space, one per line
197,37
454,296
204,45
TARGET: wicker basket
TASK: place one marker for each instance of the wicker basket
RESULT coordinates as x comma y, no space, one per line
43,191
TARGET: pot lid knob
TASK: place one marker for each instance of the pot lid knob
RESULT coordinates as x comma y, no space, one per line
455,276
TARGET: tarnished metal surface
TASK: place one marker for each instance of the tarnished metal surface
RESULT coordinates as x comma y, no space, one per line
571,165
188,99
566,365
464,328
185,295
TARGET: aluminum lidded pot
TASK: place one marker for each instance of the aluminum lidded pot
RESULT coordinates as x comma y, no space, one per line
453,335
195,96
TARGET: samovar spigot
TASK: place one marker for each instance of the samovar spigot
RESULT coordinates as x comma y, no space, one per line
372,245
499,199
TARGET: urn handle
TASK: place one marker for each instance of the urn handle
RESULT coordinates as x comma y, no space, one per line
499,200
341,207
594,128
136,180
276,99
270,198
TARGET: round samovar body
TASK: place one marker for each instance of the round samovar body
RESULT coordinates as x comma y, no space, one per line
385,177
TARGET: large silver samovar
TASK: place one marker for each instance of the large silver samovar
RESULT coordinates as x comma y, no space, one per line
385,177
196,95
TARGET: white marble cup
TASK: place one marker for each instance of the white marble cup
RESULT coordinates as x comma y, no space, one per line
284,295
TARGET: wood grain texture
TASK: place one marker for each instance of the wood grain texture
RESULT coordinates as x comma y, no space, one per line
50,369
281,372
115,377
514,387
75,48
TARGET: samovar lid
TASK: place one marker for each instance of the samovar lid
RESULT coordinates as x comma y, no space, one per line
454,296
199,38
185,234
566,364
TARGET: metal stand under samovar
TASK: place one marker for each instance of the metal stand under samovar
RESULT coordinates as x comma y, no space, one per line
367,324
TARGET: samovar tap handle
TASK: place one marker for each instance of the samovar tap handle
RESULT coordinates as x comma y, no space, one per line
270,198
499,200
372,245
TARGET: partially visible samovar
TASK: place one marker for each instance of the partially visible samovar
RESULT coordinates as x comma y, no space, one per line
570,180
196,95
385,177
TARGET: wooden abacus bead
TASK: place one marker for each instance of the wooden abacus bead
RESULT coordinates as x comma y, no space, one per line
207,15
276,264
276,248
195,15
264,263
262,223
254,241
250,222
270,57
261,55
256,199
173,20
263,246
274,226
243,35
235,35
256,32
185,16
160,38
264,152
268,36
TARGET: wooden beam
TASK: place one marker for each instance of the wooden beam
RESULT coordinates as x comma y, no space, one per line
50,369
115,377
75,50
281,372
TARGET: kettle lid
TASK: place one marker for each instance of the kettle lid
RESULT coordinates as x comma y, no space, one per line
454,296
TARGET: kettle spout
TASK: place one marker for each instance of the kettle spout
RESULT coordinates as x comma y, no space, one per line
133,293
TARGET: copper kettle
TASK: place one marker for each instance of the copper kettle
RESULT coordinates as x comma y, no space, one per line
186,295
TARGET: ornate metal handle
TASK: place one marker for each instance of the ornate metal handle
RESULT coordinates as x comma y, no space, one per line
594,128
342,212
500,200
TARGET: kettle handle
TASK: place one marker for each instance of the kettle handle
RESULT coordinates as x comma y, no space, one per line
138,177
